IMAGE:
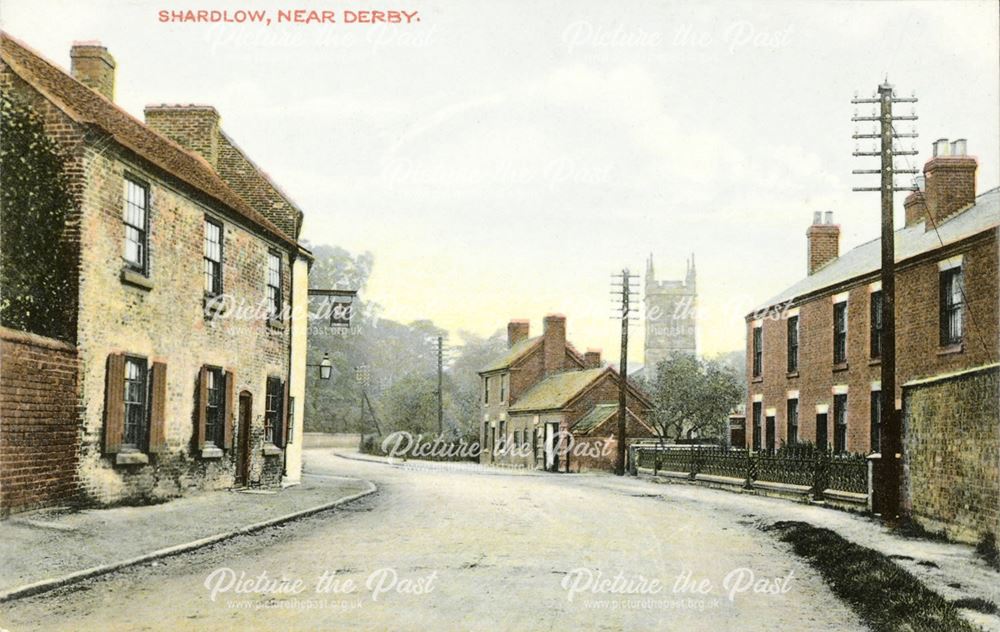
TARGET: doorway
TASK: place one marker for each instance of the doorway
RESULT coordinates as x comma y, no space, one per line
551,449
821,430
769,432
243,452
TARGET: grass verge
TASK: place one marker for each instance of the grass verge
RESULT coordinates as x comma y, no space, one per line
885,596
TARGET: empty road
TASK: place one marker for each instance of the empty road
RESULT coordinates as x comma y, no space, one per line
446,549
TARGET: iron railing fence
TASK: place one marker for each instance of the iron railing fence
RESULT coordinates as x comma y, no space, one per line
802,465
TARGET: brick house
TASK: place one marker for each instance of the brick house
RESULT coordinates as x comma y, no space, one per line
188,285
813,350
547,406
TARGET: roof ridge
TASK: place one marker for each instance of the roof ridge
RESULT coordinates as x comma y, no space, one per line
79,113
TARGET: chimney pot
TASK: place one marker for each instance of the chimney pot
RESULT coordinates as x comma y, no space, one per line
822,242
92,65
949,181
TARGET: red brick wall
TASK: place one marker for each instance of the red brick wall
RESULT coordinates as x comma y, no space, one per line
39,430
918,353
952,468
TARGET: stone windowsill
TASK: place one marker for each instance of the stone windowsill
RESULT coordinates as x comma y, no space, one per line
275,323
792,374
758,378
136,279
841,366
131,458
211,452
950,349
271,450
875,362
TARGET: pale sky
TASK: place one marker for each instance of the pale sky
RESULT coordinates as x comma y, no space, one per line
501,160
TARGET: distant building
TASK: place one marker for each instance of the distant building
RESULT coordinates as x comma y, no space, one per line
670,318
813,350
542,394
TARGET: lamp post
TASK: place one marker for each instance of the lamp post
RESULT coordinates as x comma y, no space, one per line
325,367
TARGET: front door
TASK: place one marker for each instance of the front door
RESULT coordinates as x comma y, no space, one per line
769,431
821,429
551,448
243,456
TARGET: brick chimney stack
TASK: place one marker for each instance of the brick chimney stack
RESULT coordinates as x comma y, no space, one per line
92,65
950,177
194,127
823,241
517,330
592,359
554,343
915,204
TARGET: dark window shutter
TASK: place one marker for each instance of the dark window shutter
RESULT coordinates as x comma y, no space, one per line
202,413
230,413
284,417
158,409
114,403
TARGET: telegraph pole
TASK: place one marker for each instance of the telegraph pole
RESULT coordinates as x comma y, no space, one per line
440,391
888,484
623,290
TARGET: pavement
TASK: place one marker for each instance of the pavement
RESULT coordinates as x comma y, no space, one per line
68,546
472,551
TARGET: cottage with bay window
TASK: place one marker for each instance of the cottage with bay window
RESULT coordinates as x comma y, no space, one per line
169,389
813,350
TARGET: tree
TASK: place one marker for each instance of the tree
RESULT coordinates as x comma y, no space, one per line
410,404
693,397
465,383
36,258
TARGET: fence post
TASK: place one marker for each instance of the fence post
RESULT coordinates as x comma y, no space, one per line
820,472
693,456
748,464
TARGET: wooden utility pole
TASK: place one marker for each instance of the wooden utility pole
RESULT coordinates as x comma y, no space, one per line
888,481
440,392
626,289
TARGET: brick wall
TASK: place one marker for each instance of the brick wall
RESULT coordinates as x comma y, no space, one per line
165,323
918,352
38,421
952,467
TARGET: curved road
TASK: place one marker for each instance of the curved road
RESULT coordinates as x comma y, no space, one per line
440,548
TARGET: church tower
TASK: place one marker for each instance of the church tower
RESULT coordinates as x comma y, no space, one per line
670,315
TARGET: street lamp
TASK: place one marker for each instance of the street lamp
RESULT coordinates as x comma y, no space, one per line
325,367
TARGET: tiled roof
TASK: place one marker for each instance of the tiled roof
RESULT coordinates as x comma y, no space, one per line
557,390
89,107
597,416
909,242
243,174
512,355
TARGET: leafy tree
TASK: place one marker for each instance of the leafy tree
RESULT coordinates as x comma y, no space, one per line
693,397
465,383
36,260
410,404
